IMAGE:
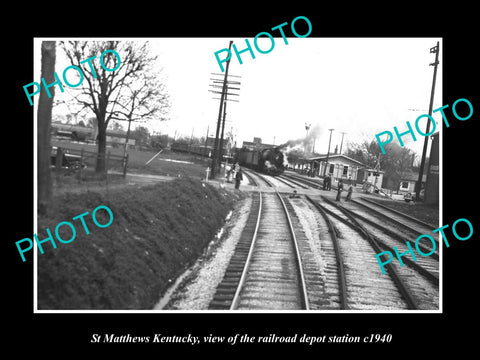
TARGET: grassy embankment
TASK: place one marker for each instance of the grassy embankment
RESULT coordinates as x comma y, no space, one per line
157,231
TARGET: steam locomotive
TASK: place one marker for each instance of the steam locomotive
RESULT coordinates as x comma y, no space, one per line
266,160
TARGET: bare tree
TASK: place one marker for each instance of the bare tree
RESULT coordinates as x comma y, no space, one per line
44,119
145,100
123,94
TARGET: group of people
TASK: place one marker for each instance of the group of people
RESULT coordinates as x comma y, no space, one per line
236,173
327,185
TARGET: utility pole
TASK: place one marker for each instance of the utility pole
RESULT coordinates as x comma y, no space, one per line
219,121
341,144
434,50
220,148
328,152
226,90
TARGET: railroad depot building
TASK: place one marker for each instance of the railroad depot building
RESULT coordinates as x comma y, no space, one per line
342,167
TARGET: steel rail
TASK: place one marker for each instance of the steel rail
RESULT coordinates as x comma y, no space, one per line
292,180
308,182
301,275
399,213
388,218
411,303
342,281
289,184
389,232
250,179
241,282
250,171
431,277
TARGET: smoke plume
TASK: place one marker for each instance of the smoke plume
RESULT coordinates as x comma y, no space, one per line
304,142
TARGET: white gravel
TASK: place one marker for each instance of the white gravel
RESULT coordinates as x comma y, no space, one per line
309,222
197,286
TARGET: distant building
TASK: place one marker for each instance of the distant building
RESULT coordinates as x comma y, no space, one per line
256,144
432,185
118,137
404,181
408,180
210,143
338,167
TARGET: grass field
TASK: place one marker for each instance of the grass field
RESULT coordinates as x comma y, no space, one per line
157,231
167,163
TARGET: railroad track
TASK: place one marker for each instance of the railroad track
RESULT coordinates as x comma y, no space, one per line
279,180
274,268
415,286
274,181
303,181
427,267
391,228
366,288
295,182
265,271
400,220
255,178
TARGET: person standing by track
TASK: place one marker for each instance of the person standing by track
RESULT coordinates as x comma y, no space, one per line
349,193
339,190
238,178
326,182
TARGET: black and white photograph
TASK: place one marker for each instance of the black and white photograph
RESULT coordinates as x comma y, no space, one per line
244,181
180,181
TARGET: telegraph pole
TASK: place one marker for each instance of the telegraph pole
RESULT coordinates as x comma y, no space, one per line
328,152
434,50
341,144
220,148
219,121
227,89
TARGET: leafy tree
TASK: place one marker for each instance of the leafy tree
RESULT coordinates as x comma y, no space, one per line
142,134
396,160
159,141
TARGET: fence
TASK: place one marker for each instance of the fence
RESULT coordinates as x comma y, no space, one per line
81,162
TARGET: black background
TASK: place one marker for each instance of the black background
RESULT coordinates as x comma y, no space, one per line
60,335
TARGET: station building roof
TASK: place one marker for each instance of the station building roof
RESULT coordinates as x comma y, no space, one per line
337,157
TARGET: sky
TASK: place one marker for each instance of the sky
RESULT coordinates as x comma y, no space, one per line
356,86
